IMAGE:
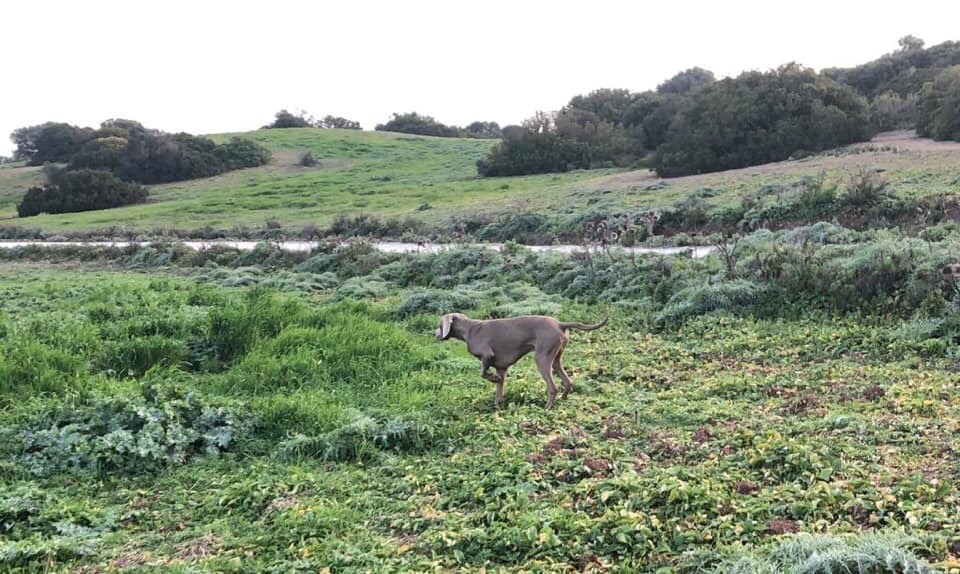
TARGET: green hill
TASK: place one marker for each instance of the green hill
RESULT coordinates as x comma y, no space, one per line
433,180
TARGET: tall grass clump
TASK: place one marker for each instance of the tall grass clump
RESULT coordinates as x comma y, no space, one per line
872,553
360,436
701,299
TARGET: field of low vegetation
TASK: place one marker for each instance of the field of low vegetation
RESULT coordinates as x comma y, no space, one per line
787,404
791,410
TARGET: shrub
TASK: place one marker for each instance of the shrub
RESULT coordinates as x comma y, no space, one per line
865,189
81,190
523,152
239,153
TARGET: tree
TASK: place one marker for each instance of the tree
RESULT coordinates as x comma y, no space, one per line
650,115
609,105
284,119
938,107
49,142
539,123
687,81
909,43
414,123
489,130
761,117
339,123
524,151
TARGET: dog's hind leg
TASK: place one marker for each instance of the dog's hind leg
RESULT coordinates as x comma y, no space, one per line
545,366
558,370
502,375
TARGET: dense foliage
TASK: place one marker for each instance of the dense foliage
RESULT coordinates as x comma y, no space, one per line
761,117
694,124
80,190
259,428
938,106
285,119
414,123
903,72
135,153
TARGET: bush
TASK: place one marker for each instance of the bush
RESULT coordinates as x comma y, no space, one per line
239,153
523,152
865,189
82,190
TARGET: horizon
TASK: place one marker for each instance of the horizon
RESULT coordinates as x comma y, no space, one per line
207,77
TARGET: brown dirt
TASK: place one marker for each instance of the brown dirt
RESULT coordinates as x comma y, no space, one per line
199,548
776,527
888,148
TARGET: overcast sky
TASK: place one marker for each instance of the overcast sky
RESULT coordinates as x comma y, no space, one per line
207,66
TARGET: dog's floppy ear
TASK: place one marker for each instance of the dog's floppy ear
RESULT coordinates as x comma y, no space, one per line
445,325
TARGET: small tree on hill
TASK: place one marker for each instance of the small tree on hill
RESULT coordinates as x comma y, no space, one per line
285,119
414,123
339,123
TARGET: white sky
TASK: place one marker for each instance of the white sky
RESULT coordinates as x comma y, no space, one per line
208,66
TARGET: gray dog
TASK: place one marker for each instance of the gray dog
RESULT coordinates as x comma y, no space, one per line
499,343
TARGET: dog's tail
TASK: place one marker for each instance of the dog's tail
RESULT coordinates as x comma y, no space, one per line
583,326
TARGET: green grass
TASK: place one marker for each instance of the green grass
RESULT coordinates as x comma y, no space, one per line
376,447
434,180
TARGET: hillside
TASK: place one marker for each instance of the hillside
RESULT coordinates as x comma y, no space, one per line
433,180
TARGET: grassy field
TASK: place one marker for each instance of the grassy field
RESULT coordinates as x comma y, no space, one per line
433,180
269,412
786,405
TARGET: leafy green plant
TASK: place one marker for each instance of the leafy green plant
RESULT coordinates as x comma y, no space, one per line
165,426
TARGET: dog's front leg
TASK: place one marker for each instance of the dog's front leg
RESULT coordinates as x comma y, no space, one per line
485,363
502,376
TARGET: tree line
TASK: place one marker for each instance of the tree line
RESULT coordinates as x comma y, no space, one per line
102,166
692,123
406,123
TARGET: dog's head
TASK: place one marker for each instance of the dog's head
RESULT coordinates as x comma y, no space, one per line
446,324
